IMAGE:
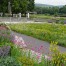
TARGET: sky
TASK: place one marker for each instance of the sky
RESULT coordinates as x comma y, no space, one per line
51,2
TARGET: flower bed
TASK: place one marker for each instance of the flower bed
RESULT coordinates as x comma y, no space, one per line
18,41
44,31
14,52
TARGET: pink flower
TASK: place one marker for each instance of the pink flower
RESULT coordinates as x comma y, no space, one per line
32,49
47,57
2,28
41,47
19,41
38,56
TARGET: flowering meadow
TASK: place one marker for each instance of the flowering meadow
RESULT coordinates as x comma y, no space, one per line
44,31
14,52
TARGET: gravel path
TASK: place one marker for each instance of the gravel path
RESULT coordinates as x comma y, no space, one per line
34,43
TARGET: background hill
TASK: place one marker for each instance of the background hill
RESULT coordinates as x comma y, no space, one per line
45,5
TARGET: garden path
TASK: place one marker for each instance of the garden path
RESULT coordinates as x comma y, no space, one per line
36,44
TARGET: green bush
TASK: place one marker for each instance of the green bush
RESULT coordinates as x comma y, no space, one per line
58,58
26,61
9,61
15,51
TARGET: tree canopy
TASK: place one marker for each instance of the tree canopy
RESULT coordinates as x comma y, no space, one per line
3,6
17,5
51,10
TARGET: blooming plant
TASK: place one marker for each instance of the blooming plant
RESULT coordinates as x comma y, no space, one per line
18,41
58,58
45,31
21,55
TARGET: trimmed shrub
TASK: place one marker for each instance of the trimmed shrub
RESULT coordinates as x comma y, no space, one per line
9,61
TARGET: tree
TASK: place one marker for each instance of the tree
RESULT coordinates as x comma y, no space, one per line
39,10
63,10
30,6
53,10
22,6
17,6
47,10
3,6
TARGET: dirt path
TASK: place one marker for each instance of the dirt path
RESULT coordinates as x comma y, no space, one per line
36,44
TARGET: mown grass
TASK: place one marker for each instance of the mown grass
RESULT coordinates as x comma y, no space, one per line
46,16
44,31
41,16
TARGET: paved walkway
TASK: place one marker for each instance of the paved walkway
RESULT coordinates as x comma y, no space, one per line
36,44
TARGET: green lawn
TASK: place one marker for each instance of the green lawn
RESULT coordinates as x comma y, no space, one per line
41,16
46,16
45,31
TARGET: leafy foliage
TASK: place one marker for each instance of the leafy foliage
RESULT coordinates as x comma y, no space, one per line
17,6
18,57
3,6
58,59
8,61
51,10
